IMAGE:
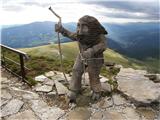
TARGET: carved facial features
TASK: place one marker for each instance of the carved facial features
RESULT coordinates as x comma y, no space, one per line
82,28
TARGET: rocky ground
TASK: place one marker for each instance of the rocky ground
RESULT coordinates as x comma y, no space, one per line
137,98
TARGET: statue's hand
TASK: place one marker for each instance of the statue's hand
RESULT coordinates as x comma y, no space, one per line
88,53
58,27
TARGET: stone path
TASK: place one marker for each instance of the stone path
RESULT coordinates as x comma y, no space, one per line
47,100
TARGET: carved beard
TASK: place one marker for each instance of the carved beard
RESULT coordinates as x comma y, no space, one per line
89,39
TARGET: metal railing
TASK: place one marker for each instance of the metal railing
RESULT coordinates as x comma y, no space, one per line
22,56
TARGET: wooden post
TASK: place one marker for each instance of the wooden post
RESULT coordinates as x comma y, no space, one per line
3,57
22,66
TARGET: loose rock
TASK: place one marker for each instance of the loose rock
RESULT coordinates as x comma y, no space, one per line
41,78
50,74
44,88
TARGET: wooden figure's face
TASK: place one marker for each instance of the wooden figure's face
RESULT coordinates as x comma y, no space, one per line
82,28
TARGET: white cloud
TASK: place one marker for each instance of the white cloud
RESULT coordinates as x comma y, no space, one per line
70,11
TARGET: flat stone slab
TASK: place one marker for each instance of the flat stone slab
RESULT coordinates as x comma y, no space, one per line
11,107
41,78
58,77
137,87
49,82
44,112
26,115
61,89
80,113
23,93
44,88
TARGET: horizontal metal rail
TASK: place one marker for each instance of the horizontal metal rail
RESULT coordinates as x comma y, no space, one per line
15,50
6,58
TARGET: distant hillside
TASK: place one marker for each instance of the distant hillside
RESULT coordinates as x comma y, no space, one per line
136,40
29,35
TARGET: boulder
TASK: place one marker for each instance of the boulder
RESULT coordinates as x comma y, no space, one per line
133,84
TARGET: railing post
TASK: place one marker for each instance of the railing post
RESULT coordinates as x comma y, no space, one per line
22,66
3,57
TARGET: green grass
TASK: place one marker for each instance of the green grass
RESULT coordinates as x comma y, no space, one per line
46,58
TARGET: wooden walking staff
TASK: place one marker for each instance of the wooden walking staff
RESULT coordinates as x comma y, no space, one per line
59,43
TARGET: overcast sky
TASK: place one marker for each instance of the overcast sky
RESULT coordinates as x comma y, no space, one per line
110,11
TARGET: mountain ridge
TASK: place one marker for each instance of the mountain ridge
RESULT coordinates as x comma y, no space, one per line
137,40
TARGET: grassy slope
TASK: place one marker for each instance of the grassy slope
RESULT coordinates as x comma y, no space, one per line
48,56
